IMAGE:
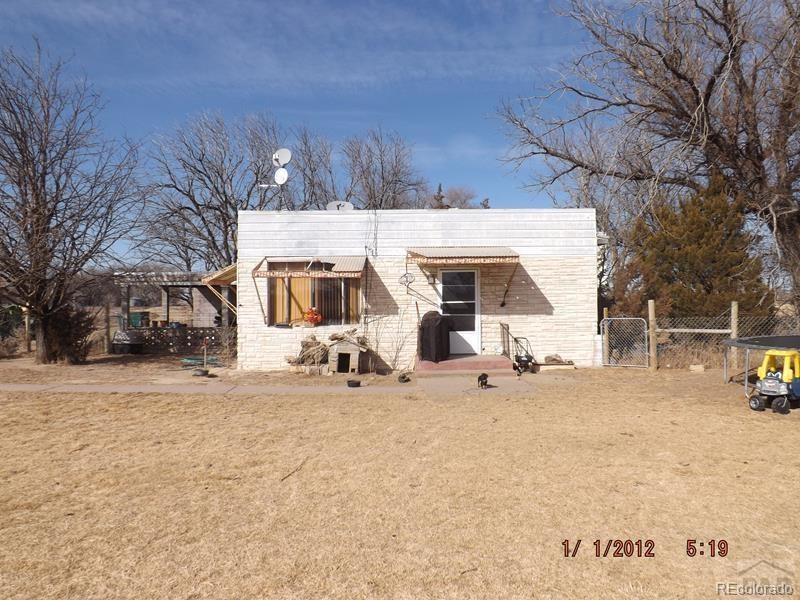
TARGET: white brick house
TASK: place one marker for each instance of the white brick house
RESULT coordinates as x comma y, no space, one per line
532,269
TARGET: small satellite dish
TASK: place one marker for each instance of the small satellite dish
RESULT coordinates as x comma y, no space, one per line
338,205
282,157
407,279
281,176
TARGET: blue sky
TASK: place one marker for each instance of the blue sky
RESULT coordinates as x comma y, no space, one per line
433,71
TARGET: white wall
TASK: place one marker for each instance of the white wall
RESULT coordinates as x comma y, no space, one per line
552,297
531,232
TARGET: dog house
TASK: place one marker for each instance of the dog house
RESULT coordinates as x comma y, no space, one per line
346,357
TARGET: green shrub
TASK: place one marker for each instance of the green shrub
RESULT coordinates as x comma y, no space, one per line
72,332
9,345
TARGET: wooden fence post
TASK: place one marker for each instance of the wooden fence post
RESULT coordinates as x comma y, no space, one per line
653,341
26,311
734,333
606,342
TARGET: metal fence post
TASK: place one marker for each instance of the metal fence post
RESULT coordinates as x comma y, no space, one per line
653,341
604,333
746,372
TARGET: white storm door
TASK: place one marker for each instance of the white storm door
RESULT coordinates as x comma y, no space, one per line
460,295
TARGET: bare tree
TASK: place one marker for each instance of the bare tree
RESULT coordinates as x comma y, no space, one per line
453,197
670,92
207,170
619,207
314,182
381,171
66,196
460,197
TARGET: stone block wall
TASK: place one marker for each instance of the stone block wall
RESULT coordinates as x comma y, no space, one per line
550,300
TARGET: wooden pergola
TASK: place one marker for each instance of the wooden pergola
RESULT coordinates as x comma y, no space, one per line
218,288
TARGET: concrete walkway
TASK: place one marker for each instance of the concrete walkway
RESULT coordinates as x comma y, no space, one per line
444,385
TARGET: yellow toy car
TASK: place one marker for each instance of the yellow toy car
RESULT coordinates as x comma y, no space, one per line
778,381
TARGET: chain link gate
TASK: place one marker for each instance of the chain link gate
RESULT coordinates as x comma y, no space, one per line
624,342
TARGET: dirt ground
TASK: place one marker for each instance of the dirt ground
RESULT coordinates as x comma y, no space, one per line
121,368
466,495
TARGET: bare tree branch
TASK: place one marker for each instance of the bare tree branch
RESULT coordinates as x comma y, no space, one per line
670,92
66,196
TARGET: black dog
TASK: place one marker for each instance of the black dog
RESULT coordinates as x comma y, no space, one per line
483,381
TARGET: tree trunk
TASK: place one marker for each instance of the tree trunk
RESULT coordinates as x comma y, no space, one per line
41,341
44,341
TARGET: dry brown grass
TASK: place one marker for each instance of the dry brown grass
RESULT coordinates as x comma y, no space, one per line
419,496
120,368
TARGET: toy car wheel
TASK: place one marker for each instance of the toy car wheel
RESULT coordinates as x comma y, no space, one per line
780,405
757,403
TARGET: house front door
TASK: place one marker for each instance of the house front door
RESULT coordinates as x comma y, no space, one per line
460,295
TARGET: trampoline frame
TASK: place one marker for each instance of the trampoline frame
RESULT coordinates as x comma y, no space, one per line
762,342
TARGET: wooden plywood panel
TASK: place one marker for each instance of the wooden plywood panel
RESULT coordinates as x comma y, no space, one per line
300,292
353,300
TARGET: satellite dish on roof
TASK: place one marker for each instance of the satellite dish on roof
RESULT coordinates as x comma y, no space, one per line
338,205
282,157
281,176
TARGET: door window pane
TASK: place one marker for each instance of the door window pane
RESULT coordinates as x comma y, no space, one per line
458,308
458,278
458,292
463,322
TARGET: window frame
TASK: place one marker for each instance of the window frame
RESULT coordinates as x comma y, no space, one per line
345,289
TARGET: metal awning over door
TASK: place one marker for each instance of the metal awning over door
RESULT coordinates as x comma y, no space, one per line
462,255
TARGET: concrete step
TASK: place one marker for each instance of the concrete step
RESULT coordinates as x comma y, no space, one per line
490,364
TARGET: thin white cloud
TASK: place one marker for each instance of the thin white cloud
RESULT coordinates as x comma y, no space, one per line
298,45
464,148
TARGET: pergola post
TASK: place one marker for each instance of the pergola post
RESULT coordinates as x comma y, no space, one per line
165,303
224,312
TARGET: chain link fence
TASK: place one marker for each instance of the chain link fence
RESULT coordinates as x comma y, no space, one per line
688,340
624,342
684,341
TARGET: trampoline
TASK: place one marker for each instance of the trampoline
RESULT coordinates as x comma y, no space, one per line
762,342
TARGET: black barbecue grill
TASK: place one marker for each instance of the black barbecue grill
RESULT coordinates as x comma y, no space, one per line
434,337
